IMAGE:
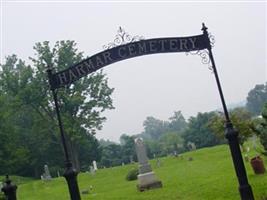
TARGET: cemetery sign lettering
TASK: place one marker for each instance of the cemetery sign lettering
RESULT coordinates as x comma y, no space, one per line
130,50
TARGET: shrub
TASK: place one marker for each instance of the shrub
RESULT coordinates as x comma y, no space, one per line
2,196
132,174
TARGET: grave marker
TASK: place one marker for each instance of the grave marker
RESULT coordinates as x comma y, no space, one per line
146,178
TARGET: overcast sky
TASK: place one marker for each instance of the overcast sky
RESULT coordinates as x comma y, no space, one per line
153,85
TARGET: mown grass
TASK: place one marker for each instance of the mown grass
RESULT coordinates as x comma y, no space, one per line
210,176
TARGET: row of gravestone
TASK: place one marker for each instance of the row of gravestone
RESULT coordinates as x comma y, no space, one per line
46,176
146,178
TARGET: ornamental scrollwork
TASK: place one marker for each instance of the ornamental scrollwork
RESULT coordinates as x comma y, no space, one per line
122,38
212,40
204,54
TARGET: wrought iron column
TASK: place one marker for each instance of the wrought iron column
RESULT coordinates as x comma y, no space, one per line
232,136
70,173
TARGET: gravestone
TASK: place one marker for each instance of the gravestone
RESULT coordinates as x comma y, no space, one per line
94,165
92,170
46,174
146,178
191,146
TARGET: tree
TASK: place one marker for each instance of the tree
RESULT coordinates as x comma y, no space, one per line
259,127
177,122
9,150
31,124
171,142
103,142
111,155
199,132
29,131
154,128
154,148
128,148
81,103
89,151
241,120
256,99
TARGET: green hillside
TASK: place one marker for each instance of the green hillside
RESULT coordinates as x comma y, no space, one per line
210,176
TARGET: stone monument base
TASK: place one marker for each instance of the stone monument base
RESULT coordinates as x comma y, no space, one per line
148,181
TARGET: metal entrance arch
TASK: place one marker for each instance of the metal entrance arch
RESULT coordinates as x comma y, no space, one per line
195,43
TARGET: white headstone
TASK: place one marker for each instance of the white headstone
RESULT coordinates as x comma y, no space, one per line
146,178
92,170
46,175
94,165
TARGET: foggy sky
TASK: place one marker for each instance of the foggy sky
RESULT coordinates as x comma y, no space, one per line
153,85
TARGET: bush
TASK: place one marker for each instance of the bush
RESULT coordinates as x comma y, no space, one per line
132,174
2,196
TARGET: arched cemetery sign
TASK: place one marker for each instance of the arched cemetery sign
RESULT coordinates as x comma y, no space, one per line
126,51
197,43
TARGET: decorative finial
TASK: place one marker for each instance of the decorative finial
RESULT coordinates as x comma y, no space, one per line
204,28
122,38
204,53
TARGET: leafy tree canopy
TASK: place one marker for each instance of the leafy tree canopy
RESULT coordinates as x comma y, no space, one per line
259,127
241,120
29,114
199,132
256,99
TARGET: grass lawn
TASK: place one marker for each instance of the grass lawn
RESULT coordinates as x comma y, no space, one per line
210,176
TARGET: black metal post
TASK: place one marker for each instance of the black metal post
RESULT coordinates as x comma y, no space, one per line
232,136
9,189
70,173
